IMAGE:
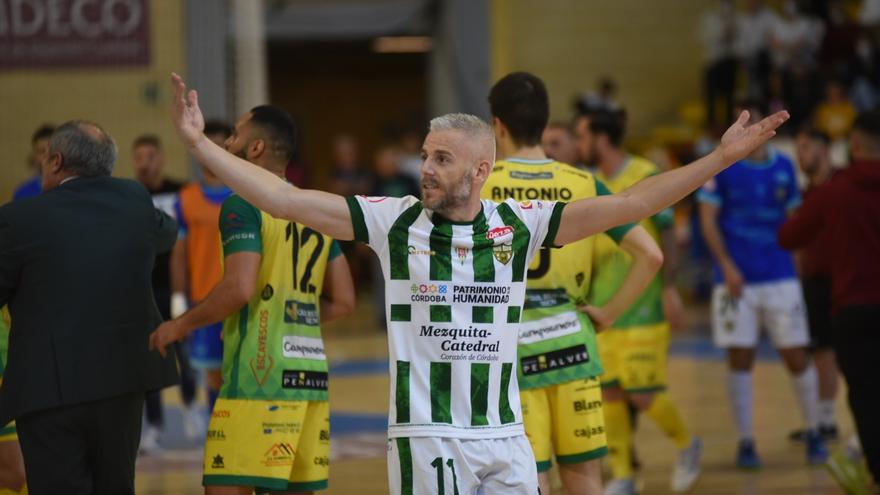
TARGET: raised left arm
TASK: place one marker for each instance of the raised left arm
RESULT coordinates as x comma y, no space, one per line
590,216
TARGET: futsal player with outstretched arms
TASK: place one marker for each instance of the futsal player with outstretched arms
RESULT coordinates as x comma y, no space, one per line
455,423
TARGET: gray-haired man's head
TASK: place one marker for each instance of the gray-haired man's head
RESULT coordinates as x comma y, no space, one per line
457,156
78,148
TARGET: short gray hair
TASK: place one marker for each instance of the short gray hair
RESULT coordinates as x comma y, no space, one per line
84,153
469,124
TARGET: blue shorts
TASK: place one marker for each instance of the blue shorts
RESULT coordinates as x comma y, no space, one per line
206,348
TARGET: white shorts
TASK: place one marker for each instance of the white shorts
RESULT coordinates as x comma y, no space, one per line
777,306
452,466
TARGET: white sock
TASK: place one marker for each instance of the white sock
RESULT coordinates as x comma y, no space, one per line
826,412
739,388
806,388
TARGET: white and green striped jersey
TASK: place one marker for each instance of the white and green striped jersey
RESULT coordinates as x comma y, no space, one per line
455,292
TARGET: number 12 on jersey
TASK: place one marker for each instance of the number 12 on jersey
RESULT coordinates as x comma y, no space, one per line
300,241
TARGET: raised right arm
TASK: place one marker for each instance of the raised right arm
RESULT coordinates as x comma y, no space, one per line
327,213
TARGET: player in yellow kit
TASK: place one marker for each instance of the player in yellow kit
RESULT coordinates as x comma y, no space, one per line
635,349
557,355
12,480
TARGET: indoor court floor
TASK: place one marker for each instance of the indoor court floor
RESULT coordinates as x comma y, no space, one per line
357,351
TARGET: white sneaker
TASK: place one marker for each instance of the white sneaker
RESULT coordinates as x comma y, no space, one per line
687,469
623,486
193,424
150,441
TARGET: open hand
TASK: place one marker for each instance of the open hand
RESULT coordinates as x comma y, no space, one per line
167,334
739,141
185,112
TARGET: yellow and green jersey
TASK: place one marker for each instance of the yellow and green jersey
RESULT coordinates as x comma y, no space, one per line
557,343
612,263
272,347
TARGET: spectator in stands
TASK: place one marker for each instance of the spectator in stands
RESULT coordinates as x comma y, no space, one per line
865,91
602,98
835,114
348,177
839,42
794,40
410,156
297,171
848,207
388,179
718,34
558,143
39,151
754,27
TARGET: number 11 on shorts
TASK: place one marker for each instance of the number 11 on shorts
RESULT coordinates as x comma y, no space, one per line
438,465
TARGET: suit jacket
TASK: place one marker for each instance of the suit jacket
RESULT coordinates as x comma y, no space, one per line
75,270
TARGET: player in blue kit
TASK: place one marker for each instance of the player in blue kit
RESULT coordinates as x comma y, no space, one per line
756,284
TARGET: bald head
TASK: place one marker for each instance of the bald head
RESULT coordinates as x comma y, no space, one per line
87,149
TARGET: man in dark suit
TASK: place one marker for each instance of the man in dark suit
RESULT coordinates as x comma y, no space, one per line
75,268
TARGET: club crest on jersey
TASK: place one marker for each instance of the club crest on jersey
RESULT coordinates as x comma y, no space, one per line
499,232
503,253
526,205
462,253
